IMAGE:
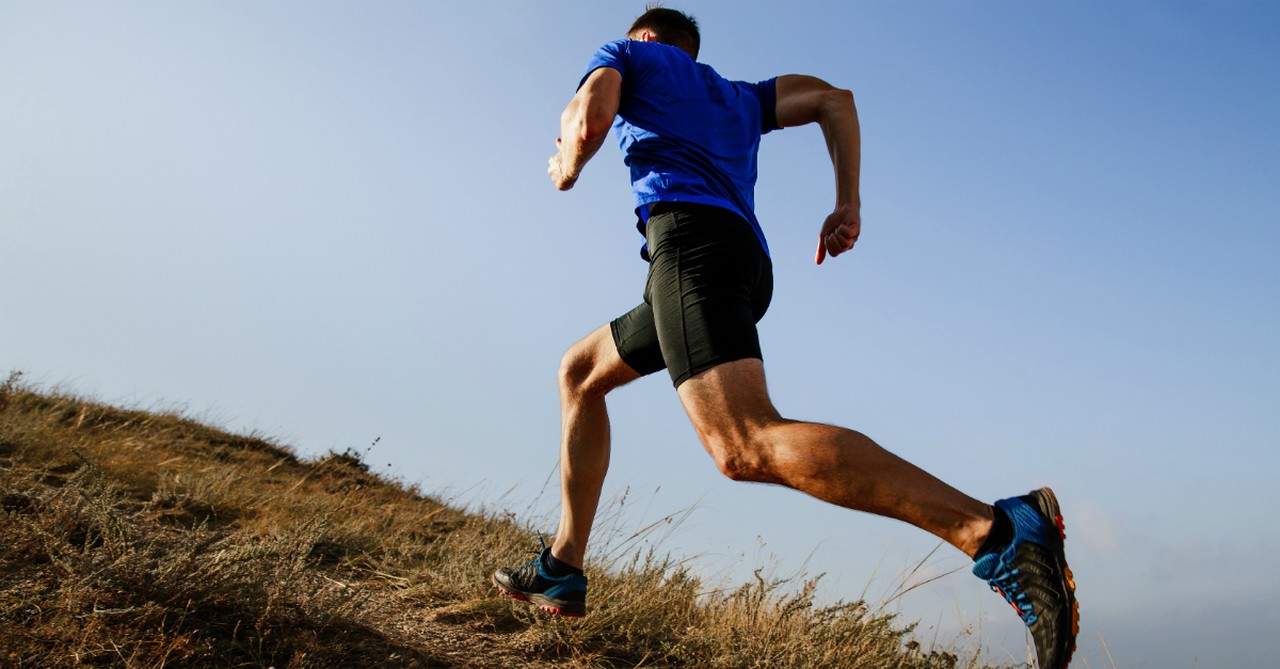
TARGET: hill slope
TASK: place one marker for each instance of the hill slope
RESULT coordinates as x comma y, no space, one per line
144,540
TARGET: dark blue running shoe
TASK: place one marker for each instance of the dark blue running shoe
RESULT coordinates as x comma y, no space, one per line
564,596
1032,575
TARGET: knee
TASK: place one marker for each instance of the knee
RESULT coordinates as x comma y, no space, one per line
739,458
578,375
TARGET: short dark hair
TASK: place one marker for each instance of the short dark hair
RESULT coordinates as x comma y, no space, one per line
669,27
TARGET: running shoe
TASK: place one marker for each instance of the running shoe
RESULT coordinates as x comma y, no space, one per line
1032,575
564,596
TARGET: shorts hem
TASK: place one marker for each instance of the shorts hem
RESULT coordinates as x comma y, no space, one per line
678,379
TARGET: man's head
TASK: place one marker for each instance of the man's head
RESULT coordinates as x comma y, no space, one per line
668,26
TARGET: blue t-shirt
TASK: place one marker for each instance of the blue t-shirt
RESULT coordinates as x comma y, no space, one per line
687,133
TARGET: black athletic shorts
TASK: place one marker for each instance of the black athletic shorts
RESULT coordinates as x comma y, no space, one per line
710,282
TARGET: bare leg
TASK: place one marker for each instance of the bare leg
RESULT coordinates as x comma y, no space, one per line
588,371
738,424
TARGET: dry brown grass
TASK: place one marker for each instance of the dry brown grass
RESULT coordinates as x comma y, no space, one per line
142,539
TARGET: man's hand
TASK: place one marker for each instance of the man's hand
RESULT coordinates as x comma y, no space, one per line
556,170
839,232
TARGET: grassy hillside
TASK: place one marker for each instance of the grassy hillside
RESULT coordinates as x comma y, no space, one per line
140,539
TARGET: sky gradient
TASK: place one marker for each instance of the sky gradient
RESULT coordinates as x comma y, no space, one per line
330,223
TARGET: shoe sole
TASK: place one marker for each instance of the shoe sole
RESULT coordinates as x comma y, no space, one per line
556,606
1047,504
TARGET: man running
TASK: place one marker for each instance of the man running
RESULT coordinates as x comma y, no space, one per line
690,138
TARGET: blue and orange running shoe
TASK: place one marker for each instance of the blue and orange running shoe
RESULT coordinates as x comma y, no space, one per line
564,596
1032,575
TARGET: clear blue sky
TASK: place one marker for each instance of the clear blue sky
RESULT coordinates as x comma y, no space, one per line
330,222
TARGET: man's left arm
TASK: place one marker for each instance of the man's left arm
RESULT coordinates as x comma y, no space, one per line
802,100
584,124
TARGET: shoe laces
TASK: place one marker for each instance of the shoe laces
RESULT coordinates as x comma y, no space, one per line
537,555
1005,582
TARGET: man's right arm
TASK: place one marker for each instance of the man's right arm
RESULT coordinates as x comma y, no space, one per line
584,124
803,100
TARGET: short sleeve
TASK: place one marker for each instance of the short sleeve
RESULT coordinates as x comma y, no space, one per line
767,93
612,55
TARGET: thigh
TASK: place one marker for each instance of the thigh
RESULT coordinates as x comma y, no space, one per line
729,403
